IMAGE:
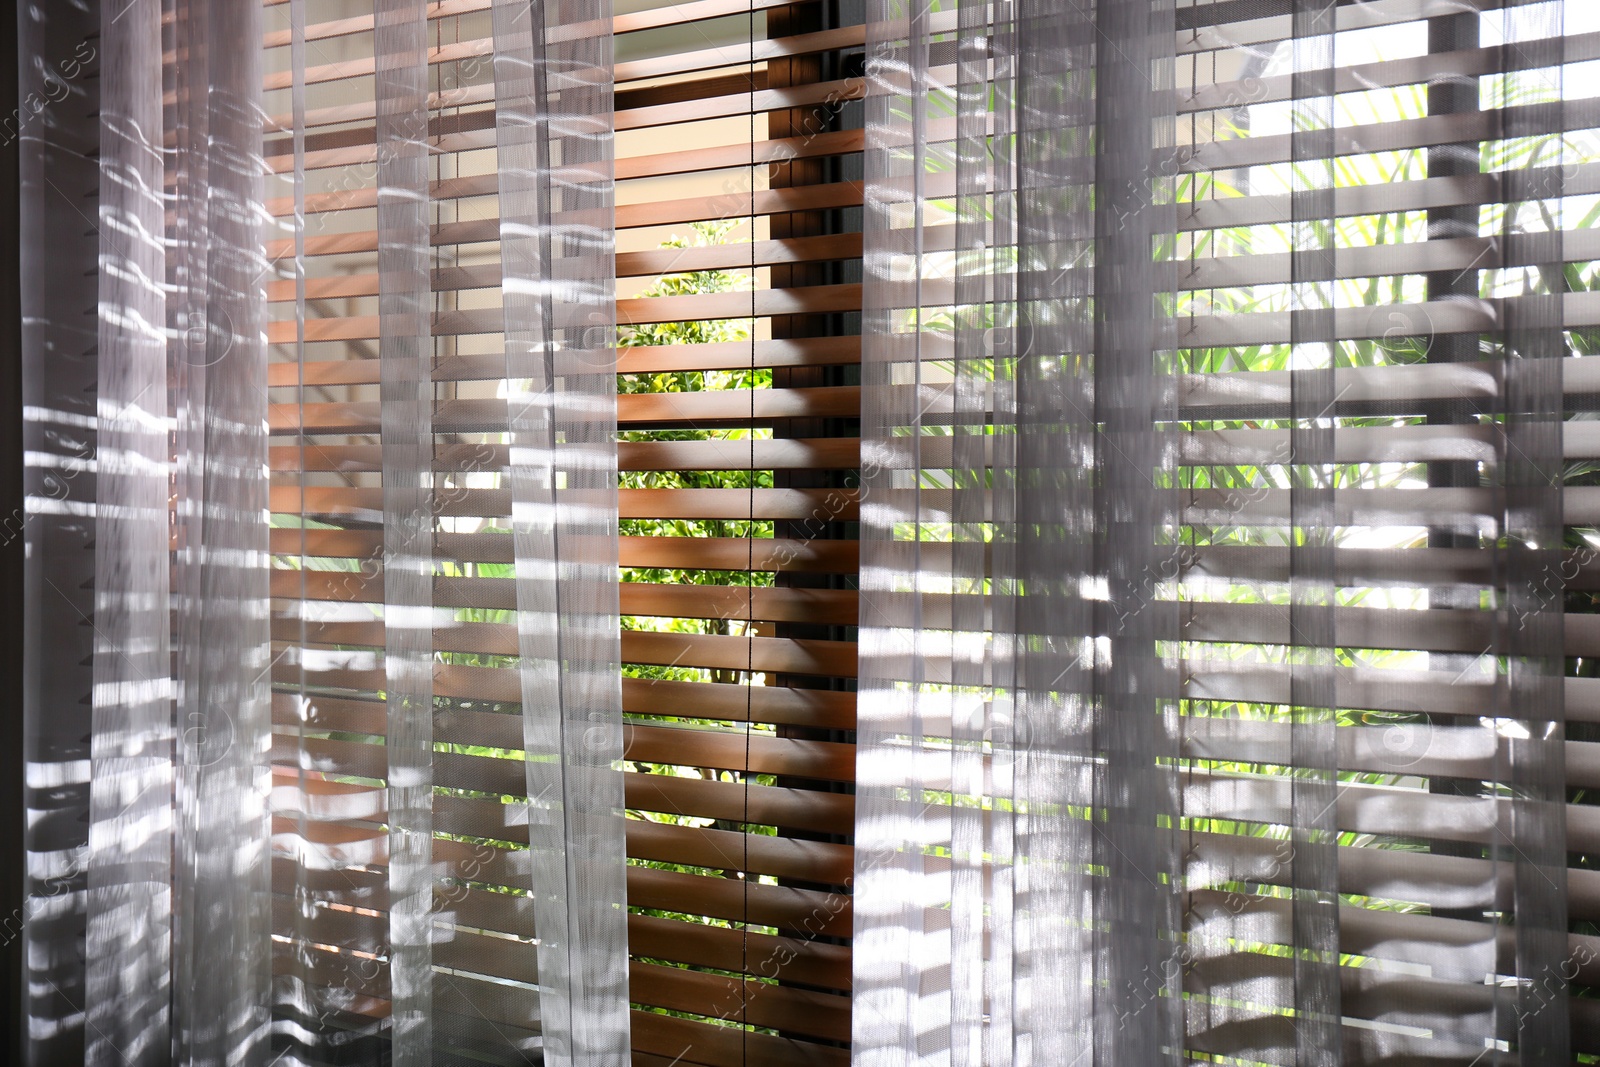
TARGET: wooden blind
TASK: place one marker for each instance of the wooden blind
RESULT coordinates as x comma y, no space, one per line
738,269
1431,283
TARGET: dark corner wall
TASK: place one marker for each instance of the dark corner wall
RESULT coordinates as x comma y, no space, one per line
49,137
12,1030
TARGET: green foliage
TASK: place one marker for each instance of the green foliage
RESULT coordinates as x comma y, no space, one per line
1407,342
696,332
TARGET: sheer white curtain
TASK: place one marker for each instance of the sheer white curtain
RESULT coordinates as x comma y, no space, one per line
208,885
1009,466
1218,530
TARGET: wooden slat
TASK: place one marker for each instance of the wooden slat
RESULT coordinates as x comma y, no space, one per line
793,1011
778,705
784,655
725,204
1385,321
631,22
761,303
1401,387
758,51
335,28
632,70
744,751
366,195
813,708
1388,690
323,149
1382,260
1429,68
694,553
669,794
700,409
684,1041
784,352
781,150
694,846
628,264
1410,567
727,355
732,256
706,86
476,132
1229,25
797,959
1256,209
822,97
365,66
836,606
811,299
469,951
366,505
741,203
784,857
1379,873
712,455
756,751
796,809
655,106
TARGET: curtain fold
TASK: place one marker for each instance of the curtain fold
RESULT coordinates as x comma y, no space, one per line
130,876
1183,731
406,356
1010,474
221,937
553,84
246,850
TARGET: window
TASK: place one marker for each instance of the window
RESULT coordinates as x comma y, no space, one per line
804,532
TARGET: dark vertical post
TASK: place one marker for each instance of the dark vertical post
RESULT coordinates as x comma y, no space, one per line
1136,913
1452,96
825,523
50,130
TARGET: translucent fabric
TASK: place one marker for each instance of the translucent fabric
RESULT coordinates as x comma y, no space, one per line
323,698
1223,522
221,933
130,906
472,553
552,77
166,955
1008,507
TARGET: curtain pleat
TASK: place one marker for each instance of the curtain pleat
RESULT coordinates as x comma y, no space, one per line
221,871
552,79
129,928
406,356
1016,732
1171,749
221,929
